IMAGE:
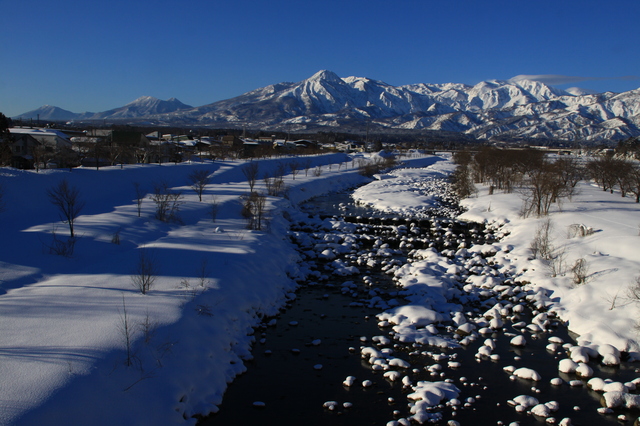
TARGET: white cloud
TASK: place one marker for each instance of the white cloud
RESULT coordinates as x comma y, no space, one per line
556,79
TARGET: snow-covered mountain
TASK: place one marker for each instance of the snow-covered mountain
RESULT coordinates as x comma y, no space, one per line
142,107
48,112
516,108
489,109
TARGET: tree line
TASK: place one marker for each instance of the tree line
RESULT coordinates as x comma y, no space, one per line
542,180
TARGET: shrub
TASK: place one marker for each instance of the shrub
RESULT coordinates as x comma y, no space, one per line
580,270
541,244
168,203
146,272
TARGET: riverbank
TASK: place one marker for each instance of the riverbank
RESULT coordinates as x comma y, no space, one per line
600,310
459,336
64,357
80,344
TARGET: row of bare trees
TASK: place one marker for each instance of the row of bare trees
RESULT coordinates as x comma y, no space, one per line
253,204
543,181
612,173
548,183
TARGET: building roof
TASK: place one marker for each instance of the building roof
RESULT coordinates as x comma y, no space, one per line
35,132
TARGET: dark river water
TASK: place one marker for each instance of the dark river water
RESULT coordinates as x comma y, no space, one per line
302,357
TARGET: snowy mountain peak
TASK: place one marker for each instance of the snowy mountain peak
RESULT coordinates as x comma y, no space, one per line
516,108
48,112
578,91
540,90
142,107
325,75
144,100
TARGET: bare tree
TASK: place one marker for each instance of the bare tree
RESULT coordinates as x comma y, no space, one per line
61,247
214,208
40,156
146,271
294,167
633,291
624,176
67,199
603,171
203,274
307,165
127,330
168,203
634,182
461,177
199,180
281,170
250,171
571,172
275,185
139,196
253,206
545,186
503,168
6,140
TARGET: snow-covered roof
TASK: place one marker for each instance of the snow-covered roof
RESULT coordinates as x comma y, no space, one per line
39,132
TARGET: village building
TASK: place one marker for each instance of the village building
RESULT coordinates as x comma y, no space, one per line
49,137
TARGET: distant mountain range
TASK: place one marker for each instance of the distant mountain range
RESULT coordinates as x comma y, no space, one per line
491,109
142,107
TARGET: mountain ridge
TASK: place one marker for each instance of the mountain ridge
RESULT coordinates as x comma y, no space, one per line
140,107
516,108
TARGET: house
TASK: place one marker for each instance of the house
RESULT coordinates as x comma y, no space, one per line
51,138
255,147
153,136
350,146
23,146
266,139
40,147
104,147
355,146
175,138
305,143
281,143
232,141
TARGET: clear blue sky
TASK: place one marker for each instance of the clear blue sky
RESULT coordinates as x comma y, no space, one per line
84,55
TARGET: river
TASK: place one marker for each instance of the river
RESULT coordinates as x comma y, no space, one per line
302,357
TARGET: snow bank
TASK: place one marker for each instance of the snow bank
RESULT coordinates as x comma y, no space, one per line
610,251
63,318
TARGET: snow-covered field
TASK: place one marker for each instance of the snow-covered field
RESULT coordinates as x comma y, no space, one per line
62,346
63,357
600,311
